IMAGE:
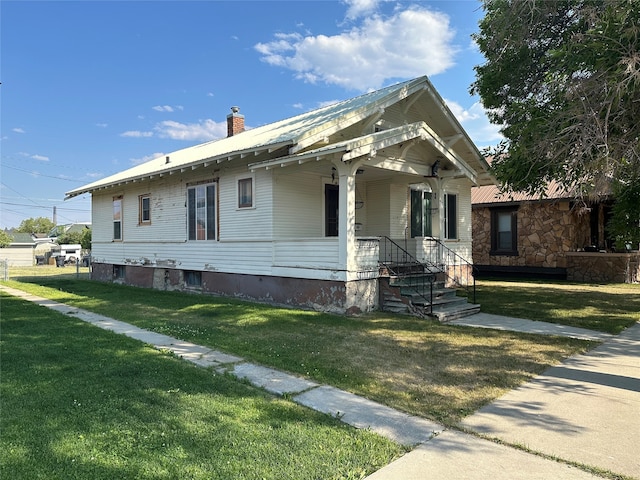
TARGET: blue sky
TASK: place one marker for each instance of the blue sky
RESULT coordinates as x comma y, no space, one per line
92,88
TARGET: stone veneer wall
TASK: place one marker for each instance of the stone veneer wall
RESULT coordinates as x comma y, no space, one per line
546,232
600,267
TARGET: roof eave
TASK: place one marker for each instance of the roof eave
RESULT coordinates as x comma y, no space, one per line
181,168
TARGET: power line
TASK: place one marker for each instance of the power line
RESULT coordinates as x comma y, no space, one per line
37,174
47,208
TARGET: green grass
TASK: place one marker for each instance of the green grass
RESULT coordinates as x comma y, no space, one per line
606,308
420,366
82,403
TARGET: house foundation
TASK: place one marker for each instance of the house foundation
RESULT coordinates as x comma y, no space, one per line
334,296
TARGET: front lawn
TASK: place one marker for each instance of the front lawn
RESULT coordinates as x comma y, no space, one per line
607,308
81,403
420,366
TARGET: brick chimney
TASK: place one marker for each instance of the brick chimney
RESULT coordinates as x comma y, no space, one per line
235,122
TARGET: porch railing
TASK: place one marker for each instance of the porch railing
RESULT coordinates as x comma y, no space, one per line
457,270
438,258
414,275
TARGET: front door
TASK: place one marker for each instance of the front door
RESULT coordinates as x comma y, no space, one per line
331,210
420,213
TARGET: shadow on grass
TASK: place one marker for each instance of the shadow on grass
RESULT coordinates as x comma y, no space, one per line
600,308
79,402
417,365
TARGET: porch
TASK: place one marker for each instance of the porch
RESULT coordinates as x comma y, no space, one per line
414,276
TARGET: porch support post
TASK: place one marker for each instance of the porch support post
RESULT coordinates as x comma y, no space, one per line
346,221
441,212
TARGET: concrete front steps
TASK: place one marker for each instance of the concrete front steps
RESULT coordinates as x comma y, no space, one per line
405,295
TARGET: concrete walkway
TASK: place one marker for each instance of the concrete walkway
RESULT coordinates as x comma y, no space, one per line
499,322
585,411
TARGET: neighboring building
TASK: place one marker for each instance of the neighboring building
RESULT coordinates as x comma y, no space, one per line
293,212
21,251
549,236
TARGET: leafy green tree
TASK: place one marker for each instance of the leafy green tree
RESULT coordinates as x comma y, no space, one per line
82,237
35,225
5,239
562,78
85,239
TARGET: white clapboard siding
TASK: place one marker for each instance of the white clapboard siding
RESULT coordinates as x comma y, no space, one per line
398,200
462,245
248,257
309,253
298,205
378,209
361,212
254,222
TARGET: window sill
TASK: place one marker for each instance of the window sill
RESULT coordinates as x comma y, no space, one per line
505,253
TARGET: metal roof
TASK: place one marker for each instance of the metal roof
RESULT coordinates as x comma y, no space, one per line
491,194
297,135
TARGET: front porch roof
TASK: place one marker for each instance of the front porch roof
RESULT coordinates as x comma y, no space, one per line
372,148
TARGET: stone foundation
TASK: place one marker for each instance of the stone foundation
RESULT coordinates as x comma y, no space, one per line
603,267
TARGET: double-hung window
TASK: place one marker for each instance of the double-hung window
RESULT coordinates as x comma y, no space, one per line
201,212
117,218
450,216
504,235
420,213
144,209
245,192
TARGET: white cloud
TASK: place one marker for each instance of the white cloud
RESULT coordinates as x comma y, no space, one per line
102,125
476,123
146,158
163,108
202,131
360,8
461,114
18,130
40,158
136,134
408,44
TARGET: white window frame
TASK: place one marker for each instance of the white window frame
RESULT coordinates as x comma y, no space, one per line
141,210
252,180
117,203
203,215
447,219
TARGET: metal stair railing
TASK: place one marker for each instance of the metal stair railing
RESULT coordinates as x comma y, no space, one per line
404,266
456,268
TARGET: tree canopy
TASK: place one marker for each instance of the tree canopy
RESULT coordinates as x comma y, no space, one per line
82,237
35,225
5,239
562,77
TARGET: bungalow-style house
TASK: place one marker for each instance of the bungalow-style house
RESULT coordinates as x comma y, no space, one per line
549,236
304,211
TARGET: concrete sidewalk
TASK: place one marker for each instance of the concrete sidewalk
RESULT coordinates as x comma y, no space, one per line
586,410
499,322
